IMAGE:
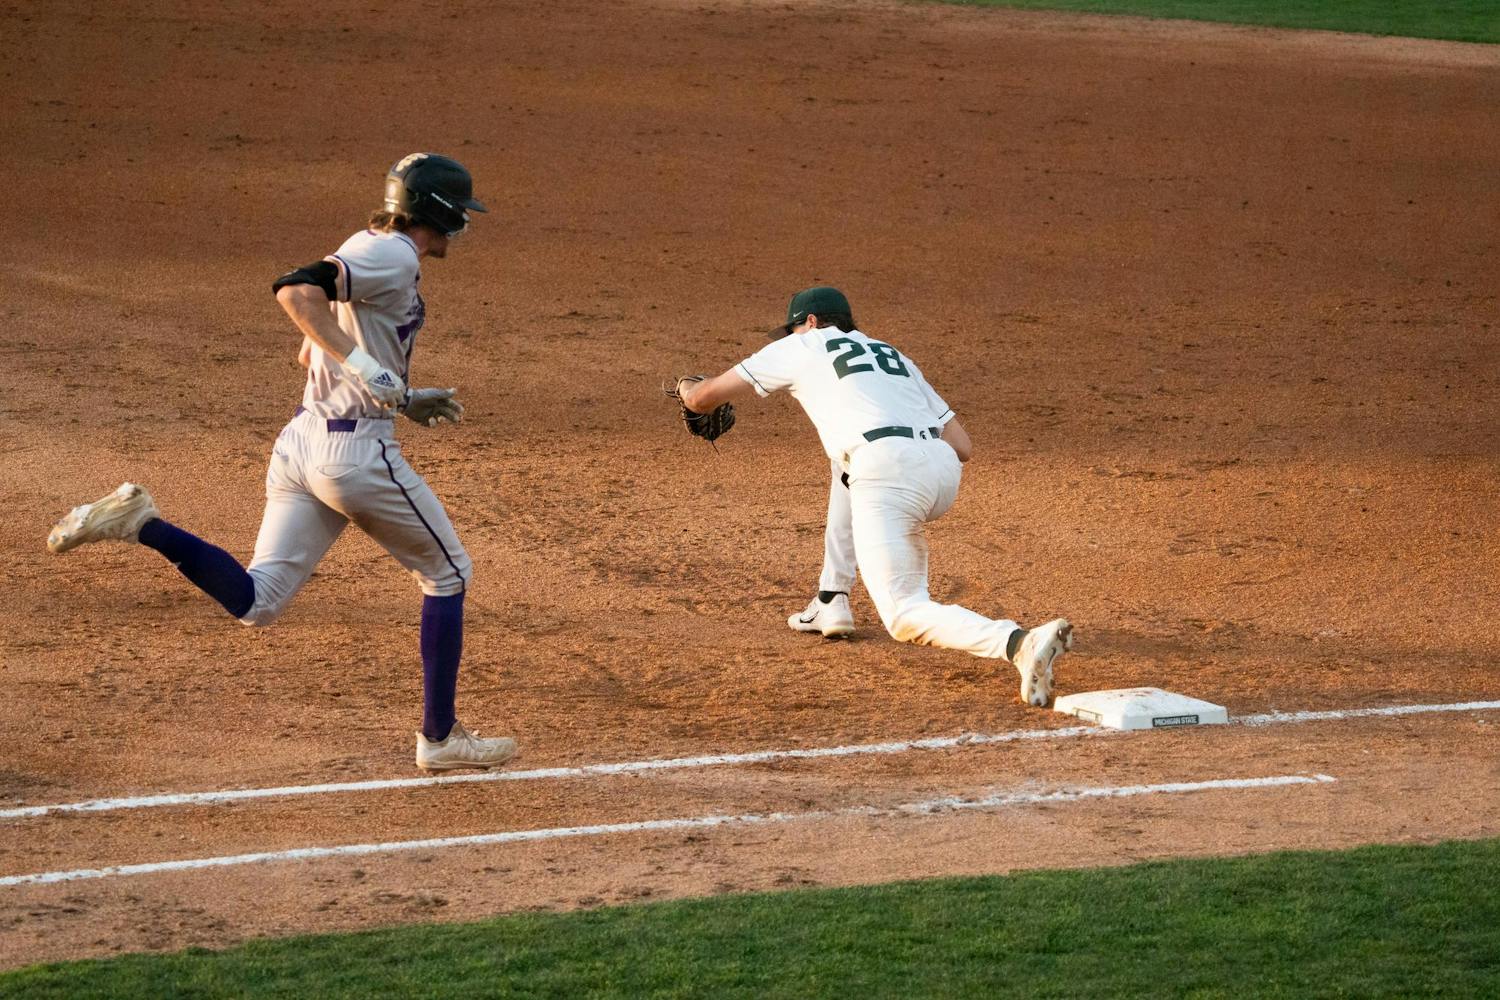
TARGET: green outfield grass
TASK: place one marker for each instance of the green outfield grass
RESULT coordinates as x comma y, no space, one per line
1456,20
1378,921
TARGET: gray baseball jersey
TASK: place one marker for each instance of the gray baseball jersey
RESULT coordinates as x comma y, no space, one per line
380,307
339,461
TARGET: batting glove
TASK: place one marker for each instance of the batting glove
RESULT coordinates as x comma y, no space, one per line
429,406
385,385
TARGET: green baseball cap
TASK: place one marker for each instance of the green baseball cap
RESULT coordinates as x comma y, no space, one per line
819,301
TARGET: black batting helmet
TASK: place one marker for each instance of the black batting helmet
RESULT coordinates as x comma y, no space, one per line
434,190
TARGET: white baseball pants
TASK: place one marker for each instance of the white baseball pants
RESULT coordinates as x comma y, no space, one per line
897,485
839,563
318,481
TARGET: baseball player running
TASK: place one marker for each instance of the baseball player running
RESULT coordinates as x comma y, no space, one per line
899,448
359,310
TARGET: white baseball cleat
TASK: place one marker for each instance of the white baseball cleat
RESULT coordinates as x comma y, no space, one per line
463,749
114,518
1038,651
833,619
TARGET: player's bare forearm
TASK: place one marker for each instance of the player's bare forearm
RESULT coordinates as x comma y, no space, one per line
958,439
705,396
308,308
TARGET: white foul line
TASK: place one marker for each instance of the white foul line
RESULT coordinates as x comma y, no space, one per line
929,807
590,770
678,763
1274,718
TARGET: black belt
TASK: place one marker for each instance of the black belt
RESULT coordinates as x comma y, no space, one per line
903,432
334,426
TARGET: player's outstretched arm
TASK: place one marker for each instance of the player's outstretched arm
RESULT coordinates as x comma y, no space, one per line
708,395
958,438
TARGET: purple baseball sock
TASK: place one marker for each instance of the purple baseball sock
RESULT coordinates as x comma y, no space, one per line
442,647
214,571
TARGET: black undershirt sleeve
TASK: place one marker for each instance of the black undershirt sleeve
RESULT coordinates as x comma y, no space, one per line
323,274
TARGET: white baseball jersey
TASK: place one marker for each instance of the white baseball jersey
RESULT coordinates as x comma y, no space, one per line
379,306
848,384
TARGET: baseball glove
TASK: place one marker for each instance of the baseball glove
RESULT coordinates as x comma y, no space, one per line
709,426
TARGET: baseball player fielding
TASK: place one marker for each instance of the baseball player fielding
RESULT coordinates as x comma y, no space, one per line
896,451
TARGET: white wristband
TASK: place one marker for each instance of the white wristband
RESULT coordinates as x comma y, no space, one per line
361,364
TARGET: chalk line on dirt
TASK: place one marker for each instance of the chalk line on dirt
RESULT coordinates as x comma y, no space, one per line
586,771
929,807
681,763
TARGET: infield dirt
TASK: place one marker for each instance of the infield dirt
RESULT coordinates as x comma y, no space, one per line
1217,306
